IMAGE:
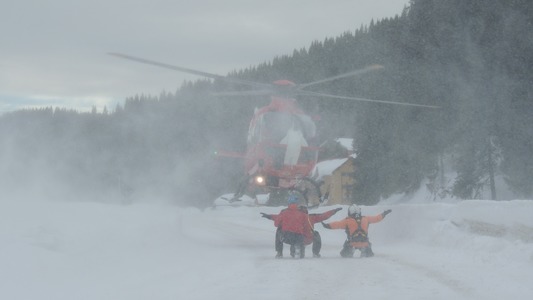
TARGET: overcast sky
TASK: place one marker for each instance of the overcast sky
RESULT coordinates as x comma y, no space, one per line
53,52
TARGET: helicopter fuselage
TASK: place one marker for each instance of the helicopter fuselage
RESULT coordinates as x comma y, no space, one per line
281,142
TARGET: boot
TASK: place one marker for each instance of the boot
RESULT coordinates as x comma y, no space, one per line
347,250
367,252
297,252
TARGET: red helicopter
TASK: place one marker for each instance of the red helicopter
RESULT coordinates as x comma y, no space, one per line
282,150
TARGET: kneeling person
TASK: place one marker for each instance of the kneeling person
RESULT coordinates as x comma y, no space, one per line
356,227
310,235
292,225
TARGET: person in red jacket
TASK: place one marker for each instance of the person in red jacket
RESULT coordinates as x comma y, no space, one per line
293,224
356,227
309,234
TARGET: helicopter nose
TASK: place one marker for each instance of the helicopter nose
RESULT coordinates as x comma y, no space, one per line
259,180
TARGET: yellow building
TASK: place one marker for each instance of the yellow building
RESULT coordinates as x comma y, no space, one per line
336,178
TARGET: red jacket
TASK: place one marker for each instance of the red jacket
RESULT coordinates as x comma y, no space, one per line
311,220
292,219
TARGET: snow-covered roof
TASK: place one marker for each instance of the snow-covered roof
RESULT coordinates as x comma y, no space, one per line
346,143
327,167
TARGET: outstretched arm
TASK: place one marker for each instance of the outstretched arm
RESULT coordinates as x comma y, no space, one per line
274,218
317,218
266,216
377,218
336,225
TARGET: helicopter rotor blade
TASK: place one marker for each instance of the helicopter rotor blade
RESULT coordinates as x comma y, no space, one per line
308,93
349,74
244,93
190,71
269,89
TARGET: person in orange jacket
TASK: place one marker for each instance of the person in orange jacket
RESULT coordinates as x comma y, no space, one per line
356,227
310,236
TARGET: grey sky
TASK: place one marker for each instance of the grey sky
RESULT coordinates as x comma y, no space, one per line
53,52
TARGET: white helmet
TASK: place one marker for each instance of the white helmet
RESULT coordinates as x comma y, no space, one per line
354,210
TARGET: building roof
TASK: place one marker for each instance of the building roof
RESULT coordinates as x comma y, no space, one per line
327,167
346,143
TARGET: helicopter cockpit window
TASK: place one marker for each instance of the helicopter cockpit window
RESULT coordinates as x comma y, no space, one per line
278,123
309,127
254,131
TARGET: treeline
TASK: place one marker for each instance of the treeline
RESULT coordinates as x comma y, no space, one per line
471,58
152,147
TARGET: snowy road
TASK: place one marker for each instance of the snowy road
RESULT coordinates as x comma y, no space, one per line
469,250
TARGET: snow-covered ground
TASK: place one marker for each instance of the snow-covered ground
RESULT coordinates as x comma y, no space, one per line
81,250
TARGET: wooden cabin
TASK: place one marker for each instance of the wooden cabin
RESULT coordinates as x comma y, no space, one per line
336,178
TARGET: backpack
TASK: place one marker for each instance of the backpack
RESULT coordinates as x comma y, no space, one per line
359,235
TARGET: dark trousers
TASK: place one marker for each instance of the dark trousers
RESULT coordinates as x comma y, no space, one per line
348,250
290,238
317,243
296,240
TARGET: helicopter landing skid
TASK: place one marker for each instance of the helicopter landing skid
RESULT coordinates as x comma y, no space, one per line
306,189
231,200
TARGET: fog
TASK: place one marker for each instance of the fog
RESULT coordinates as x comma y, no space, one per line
117,203
160,147
63,155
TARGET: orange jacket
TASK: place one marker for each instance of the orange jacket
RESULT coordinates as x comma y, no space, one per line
350,225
